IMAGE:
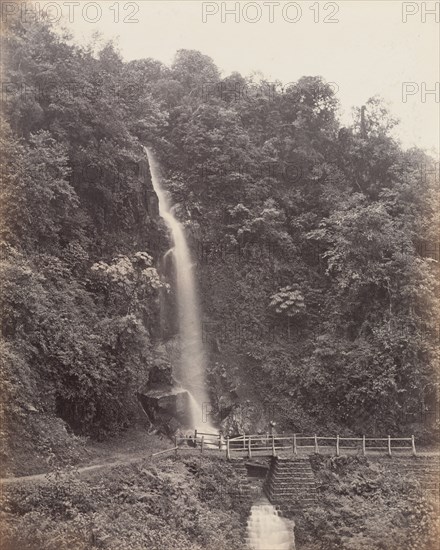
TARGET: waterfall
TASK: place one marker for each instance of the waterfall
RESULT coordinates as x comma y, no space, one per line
266,530
192,368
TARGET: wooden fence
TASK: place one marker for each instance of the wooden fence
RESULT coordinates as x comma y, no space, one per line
201,440
286,443
268,445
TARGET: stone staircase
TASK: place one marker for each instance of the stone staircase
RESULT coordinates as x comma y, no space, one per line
244,488
290,484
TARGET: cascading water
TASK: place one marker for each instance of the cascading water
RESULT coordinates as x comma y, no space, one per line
192,368
266,530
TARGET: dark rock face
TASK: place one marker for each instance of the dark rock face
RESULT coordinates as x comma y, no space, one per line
167,408
160,377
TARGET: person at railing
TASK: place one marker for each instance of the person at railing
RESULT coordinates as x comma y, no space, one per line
221,440
272,432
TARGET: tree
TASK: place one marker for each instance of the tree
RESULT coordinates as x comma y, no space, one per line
289,303
130,280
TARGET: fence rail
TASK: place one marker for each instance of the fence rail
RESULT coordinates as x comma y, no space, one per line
270,444
256,443
201,440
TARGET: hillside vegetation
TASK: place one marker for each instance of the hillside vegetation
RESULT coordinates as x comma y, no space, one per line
312,244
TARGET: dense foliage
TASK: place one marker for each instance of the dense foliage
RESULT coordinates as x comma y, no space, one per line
307,237
192,503
363,505
80,294
168,505
317,247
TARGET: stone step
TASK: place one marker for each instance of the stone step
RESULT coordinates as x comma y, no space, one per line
289,461
291,469
293,490
306,477
293,493
295,505
285,475
306,473
292,460
291,480
289,510
298,495
291,484
291,466
297,484
292,472
288,465
290,500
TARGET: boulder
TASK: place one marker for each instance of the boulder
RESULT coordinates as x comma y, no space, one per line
168,408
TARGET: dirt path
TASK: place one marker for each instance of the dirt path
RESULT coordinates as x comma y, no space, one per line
116,460
112,461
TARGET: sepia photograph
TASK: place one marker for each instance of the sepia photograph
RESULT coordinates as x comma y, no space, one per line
220,275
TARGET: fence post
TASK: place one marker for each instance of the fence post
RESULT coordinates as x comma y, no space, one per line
273,445
228,454
175,446
389,445
413,445
364,449
316,444
202,443
244,441
295,450
337,445
195,436
249,447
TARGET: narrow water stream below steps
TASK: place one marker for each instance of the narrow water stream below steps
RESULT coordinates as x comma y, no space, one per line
267,530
